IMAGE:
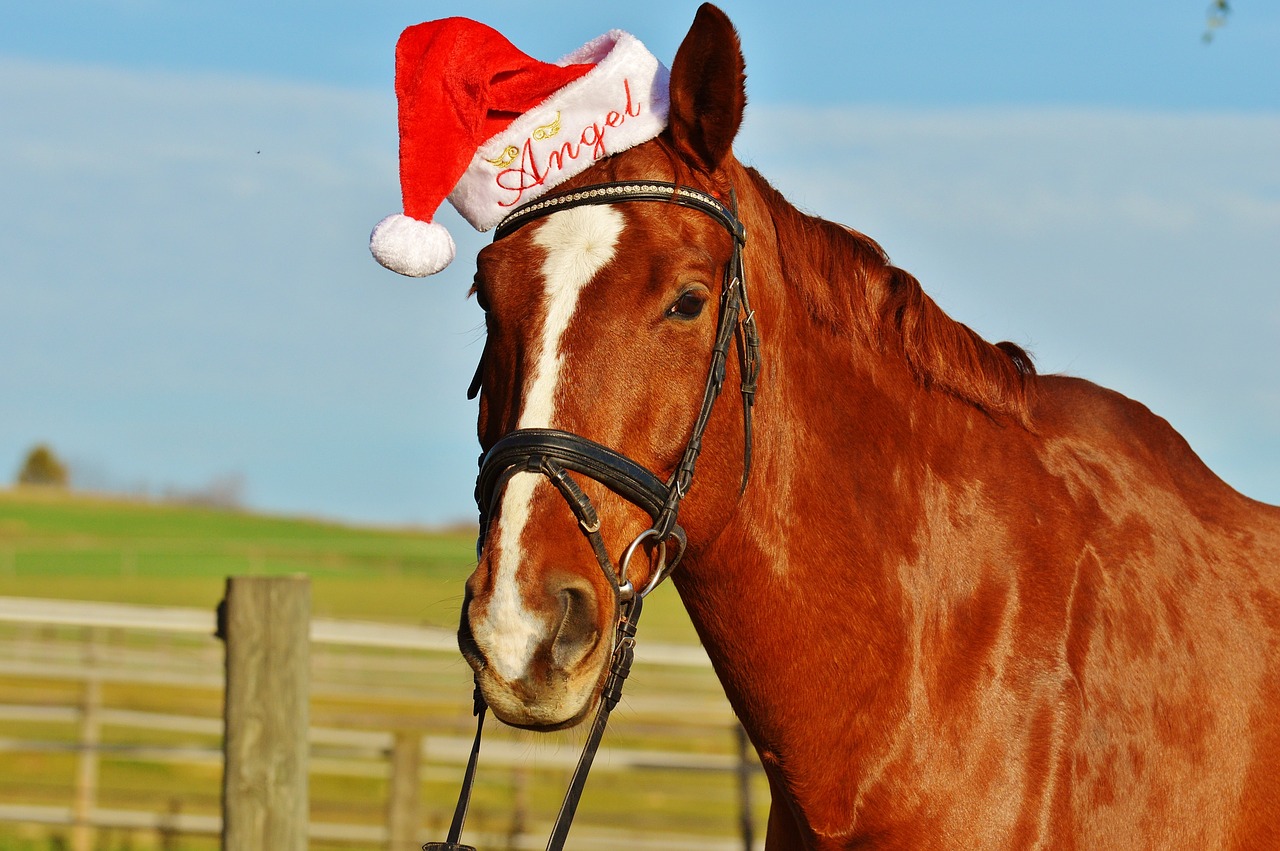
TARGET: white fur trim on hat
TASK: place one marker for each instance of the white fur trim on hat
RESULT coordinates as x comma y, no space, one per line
411,247
620,103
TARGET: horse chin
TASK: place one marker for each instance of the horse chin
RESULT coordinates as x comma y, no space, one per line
542,704
545,716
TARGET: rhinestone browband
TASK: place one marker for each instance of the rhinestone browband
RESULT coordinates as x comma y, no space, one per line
627,191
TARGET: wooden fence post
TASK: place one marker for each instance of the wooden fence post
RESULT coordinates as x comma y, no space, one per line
266,624
404,809
90,738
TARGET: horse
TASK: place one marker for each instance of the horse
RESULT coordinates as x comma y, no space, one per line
955,603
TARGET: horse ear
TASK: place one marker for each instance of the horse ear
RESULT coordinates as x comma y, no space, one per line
708,89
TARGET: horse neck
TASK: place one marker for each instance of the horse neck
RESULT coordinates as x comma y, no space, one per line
854,420
855,478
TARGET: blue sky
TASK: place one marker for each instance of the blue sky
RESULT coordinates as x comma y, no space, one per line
186,291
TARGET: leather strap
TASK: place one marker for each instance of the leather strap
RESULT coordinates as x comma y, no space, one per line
619,669
626,190
452,843
613,469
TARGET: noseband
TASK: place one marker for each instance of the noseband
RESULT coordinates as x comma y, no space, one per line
553,453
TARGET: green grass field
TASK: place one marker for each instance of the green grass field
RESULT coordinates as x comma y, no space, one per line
69,546
56,544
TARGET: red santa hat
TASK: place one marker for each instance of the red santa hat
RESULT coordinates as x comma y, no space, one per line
489,127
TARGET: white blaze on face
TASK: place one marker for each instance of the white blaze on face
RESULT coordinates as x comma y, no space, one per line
579,243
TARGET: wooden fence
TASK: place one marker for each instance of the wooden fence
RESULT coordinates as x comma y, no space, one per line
388,706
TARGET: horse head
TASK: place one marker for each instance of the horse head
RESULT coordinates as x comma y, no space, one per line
601,321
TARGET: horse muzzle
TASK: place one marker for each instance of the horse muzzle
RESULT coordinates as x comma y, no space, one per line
548,677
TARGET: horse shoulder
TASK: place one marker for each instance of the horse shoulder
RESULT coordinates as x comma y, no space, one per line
1173,638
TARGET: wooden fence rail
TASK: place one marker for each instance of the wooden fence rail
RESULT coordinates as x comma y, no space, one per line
404,754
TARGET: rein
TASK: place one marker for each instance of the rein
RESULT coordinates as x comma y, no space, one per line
553,453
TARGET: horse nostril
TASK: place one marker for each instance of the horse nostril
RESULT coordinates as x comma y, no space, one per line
577,632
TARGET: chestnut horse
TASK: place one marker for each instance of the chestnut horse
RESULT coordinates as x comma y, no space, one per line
957,604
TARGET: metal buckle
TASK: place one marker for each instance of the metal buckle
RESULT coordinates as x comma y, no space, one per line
625,589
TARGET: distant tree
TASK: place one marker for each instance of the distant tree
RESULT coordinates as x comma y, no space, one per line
42,467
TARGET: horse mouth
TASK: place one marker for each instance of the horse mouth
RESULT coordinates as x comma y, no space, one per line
539,718
538,706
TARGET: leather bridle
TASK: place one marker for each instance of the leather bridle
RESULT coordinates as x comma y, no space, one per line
553,453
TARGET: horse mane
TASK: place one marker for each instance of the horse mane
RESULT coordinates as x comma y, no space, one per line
850,287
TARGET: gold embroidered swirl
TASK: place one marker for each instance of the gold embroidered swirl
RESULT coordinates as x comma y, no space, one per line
506,158
548,130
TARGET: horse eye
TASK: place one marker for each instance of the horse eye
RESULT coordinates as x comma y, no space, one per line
688,306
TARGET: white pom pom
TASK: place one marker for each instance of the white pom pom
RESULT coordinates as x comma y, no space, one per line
411,247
